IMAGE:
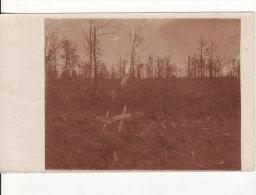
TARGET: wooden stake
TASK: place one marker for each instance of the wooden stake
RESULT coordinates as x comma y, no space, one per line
104,125
122,121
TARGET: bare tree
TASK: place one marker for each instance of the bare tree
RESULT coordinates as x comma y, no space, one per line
218,65
88,46
150,66
74,59
120,67
139,66
211,62
194,66
168,67
202,47
173,70
159,67
51,49
136,46
97,29
70,57
238,67
189,71
113,73
233,67
100,30
86,70
66,45
123,68
103,72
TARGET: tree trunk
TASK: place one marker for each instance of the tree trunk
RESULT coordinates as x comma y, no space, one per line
189,67
210,66
90,52
66,66
95,59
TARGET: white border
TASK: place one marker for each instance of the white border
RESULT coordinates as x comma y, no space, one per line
22,84
96,6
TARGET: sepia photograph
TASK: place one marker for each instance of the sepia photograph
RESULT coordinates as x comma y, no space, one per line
142,94
133,97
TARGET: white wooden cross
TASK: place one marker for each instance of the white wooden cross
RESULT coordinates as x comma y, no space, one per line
107,120
121,118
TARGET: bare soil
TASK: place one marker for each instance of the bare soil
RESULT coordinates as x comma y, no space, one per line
187,124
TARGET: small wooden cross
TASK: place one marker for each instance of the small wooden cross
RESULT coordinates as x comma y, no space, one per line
121,118
107,120
104,125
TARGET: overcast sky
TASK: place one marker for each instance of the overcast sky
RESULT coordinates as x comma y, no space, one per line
177,38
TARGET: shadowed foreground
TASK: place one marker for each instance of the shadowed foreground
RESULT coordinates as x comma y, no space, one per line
176,124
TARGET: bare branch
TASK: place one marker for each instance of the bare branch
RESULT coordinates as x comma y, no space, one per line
104,25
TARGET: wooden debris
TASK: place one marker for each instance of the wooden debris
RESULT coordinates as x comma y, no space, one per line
115,157
173,124
116,160
104,125
62,117
187,139
162,125
50,153
147,129
166,157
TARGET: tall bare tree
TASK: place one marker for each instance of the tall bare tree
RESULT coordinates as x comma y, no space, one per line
88,46
168,67
211,62
66,45
51,49
97,28
123,68
74,60
136,46
150,66
189,71
202,47
70,57
238,67
159,67
139,66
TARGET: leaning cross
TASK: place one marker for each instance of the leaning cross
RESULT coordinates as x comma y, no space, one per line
121,118
104,125
107,120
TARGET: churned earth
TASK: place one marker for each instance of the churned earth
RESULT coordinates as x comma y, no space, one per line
176,124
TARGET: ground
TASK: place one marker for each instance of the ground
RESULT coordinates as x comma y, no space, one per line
176,124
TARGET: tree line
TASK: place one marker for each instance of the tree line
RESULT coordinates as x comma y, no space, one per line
205,62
